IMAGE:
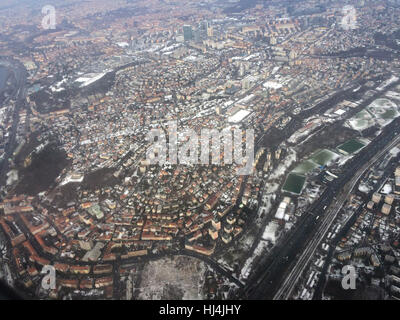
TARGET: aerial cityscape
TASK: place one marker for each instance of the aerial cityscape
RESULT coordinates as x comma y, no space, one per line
200,150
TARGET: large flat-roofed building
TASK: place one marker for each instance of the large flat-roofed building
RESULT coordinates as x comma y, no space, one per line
239,116
389,199
370,205
376,197
386,208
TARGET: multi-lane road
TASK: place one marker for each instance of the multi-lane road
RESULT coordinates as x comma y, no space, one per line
19,95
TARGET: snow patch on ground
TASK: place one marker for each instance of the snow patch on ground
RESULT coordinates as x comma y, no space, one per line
284,166
262,246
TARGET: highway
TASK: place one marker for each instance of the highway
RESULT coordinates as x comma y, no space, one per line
20,94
